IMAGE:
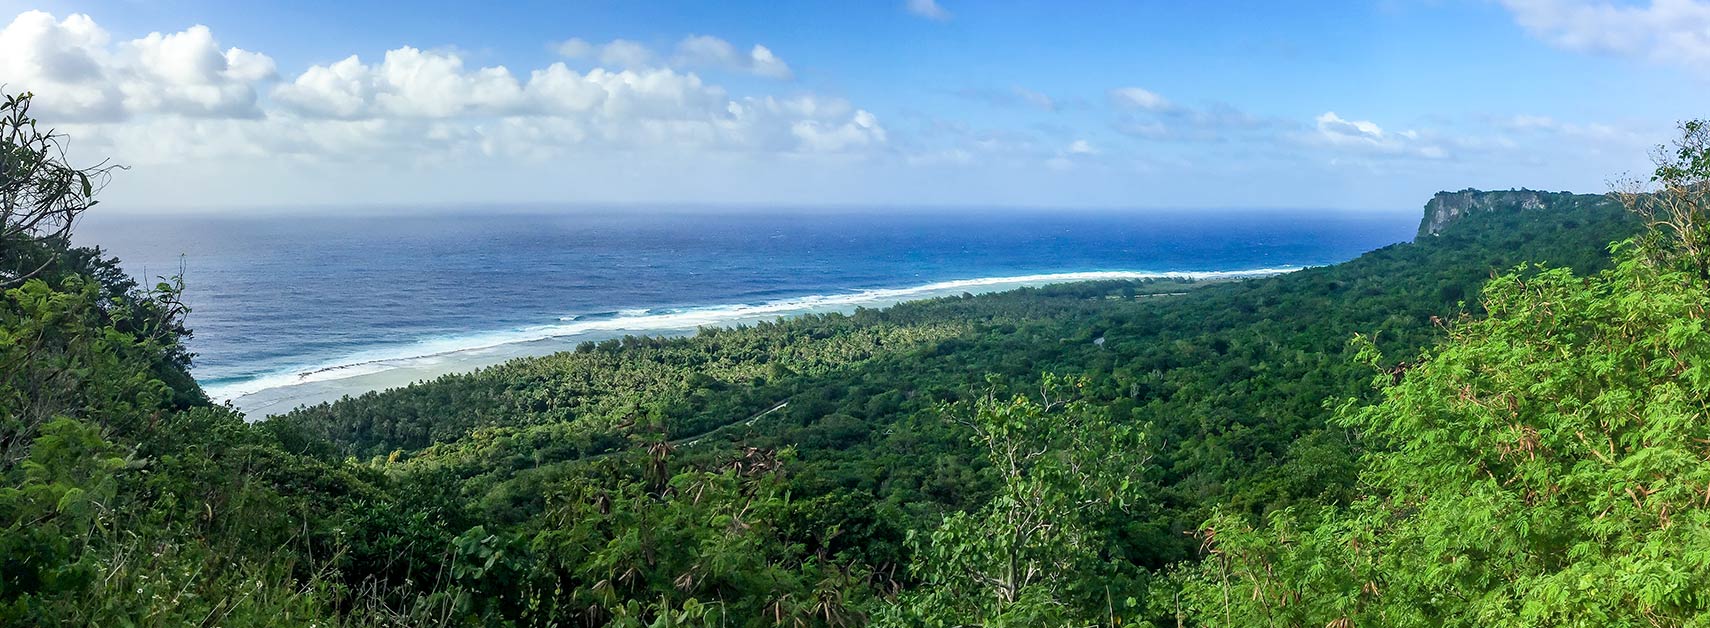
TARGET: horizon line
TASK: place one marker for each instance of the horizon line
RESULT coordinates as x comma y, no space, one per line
540,207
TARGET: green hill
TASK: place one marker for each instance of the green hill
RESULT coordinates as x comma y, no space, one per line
1228,380
1044,456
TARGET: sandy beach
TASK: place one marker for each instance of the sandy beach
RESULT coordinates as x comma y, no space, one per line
374,372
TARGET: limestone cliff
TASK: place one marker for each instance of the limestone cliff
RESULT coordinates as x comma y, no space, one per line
1447,207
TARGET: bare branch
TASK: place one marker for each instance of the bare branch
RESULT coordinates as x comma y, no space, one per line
41,195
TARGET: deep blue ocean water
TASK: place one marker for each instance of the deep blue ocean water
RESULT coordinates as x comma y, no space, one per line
281,294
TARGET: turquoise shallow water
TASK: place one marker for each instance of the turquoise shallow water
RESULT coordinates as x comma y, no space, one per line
282,299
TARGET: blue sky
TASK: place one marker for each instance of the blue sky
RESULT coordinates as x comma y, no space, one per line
1355,105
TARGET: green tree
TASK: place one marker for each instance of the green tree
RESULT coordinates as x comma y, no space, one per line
1543,466
125,497
53,502
77,338
1674,203
41,195
1036,555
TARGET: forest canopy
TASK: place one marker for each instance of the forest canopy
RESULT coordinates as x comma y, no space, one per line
1543,465
1499,423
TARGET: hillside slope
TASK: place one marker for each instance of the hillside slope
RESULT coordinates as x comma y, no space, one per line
827,470
1227,380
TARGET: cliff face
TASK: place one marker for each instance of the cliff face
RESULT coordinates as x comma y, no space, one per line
1447,207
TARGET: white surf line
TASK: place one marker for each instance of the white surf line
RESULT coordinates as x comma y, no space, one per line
684,319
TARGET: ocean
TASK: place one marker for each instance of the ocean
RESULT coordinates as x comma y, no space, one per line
293,308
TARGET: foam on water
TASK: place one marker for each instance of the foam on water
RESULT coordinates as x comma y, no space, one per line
640,321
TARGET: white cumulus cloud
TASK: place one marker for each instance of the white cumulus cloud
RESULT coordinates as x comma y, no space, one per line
1367,137
180,96
762,62
408,83
861,130
81,75
1669,31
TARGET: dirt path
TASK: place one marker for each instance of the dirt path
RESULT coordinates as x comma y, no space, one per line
690,440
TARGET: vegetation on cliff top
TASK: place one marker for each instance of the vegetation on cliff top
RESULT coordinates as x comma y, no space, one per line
1545,465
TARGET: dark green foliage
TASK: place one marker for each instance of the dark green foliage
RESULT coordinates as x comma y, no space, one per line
761,475
635,384
1229,380
1036,457
1542,466
124,497
1040,553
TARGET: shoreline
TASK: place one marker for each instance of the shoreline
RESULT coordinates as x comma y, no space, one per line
393,367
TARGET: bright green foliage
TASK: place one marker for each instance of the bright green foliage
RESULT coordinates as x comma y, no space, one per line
1674,205
1036,554
1548,465
704,544
58,497
1226,380
1230,376
802,472
124,498
81,364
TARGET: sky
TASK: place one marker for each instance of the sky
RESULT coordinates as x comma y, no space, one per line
231,106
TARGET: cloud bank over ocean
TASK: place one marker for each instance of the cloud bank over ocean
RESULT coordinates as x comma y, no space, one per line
220,114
